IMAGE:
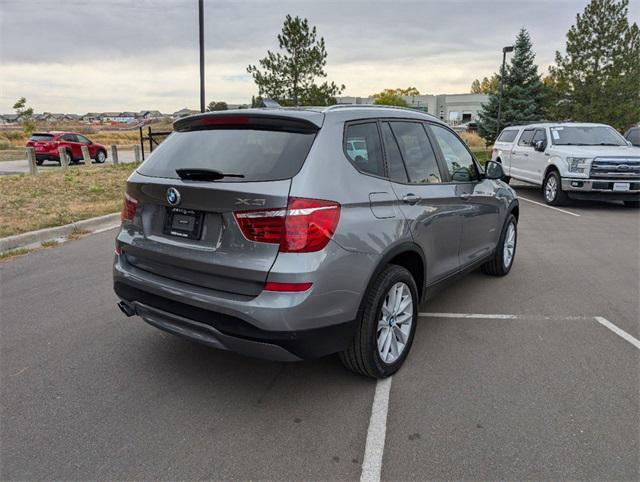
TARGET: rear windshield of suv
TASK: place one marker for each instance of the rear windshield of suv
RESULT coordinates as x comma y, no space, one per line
259,155
41,137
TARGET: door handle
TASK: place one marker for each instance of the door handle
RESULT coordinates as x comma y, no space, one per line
411,199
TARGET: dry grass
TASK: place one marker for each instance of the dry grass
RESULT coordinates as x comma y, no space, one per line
60,197
473,140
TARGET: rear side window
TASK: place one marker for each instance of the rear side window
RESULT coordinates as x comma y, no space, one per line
508,136
525,138
417,153
41,137
259,155
362,145
397,172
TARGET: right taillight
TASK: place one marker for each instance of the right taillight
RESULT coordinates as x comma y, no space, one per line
129,208
306,225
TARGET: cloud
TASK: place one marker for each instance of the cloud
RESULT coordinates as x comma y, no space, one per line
78,56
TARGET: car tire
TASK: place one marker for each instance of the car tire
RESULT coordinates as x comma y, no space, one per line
502,260
101,157
380,329
552,190
70,156
39,162
632,204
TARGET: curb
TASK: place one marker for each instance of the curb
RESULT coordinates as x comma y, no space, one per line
37,237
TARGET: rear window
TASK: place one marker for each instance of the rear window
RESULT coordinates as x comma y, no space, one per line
508,136
41,137
259,155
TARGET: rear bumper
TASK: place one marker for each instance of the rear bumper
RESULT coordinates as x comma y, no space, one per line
229,333
47,156
600,189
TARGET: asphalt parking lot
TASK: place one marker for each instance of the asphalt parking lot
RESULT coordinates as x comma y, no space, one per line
522,377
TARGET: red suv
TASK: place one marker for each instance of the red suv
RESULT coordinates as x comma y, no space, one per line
46,145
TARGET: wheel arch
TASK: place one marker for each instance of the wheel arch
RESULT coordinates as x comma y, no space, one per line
409,255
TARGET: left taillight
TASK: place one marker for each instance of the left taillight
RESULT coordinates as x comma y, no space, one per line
305,226
129,207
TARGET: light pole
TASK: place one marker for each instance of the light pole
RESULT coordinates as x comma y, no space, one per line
201,39
504,59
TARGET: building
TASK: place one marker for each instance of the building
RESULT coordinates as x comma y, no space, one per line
452,108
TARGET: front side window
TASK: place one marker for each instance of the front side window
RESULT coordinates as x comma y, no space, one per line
417,153
363,148
458,158
586,136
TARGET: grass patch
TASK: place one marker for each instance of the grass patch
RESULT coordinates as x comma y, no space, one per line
14,252
12,154
482,155
49,243
77,234
60,197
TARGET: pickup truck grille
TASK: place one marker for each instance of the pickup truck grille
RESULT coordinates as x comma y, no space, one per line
616,168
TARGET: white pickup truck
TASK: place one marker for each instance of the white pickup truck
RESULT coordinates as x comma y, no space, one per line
571,160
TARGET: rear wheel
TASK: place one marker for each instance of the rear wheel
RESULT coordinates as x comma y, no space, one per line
386,325
552,190
502,260
39,162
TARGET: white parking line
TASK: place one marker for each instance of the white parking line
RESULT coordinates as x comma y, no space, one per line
621,333
374,448
500,316
550,207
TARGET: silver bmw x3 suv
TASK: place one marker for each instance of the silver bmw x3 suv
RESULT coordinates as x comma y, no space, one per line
297,233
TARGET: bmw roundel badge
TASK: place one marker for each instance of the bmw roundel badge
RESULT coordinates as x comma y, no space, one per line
173,196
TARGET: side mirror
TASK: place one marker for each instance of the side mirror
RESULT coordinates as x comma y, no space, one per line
540,146
493,170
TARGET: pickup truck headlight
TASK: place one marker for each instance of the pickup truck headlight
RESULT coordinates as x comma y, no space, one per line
577,164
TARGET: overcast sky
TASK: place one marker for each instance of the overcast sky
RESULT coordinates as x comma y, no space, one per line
103,55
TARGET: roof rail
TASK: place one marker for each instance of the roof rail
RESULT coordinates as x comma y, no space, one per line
378,106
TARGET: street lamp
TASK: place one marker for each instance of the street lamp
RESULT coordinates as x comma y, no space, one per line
201,41
504,59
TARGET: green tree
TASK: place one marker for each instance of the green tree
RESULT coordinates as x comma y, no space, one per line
523,97
290,77
598,79
26,115
213,106
390,97
486,86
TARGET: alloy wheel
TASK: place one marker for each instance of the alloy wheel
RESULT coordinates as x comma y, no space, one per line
395,323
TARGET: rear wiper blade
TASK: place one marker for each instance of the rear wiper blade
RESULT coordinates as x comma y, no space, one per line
204,174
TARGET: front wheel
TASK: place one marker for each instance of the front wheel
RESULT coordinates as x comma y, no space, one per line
386,325
552,190
101,157
502,260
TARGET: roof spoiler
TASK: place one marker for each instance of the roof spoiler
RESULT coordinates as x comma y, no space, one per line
253,120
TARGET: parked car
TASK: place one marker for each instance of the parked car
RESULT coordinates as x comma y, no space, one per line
46,145
571,160
633,136
257,231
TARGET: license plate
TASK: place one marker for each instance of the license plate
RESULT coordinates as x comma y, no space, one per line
183,223
38,148
621,186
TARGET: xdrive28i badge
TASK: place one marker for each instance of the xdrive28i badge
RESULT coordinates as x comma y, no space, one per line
173,196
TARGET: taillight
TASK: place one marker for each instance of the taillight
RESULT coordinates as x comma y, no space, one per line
306,225
128,208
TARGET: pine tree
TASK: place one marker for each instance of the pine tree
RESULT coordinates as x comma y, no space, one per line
290,77
598,79
523,97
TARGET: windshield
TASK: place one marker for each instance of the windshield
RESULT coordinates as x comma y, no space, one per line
586,136
259,155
